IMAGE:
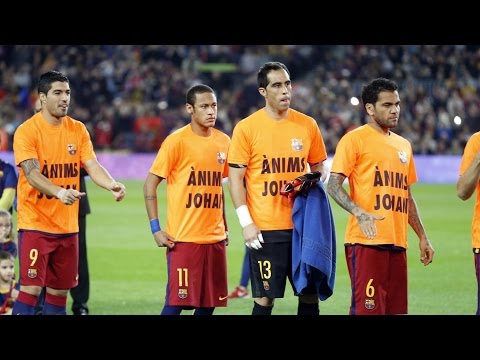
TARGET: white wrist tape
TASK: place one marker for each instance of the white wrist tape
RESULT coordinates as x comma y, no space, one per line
244,216
61,193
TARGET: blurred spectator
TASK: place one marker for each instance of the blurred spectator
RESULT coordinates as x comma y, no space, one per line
116,83
8,285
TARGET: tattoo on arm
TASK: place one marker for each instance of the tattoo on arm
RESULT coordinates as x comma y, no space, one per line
150,197
414,216
29,165
338,193
362,218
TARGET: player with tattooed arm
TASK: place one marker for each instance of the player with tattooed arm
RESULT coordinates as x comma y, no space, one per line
49,149
380,169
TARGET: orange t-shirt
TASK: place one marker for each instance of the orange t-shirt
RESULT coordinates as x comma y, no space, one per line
471,149
194,167
380,168
60,151
275,152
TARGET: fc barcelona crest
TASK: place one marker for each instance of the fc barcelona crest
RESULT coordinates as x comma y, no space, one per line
32,273
266,285
402,155
72,149
221,157
182,293
297,144
369,304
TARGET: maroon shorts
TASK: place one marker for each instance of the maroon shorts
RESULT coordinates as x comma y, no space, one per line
48,260
197,275
378,279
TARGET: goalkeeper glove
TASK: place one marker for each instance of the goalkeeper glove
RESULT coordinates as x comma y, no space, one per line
300,184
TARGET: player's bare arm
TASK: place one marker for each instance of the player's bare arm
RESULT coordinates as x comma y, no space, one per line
102,178
150,195
341,197
236,174
238,193
162,239
467,183
36,179
426,249
225,217
414,217
337,192
366,220
29,165
320,166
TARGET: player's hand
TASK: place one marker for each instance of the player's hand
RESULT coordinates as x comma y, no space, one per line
366,221
426,252
69,196
118,190
253,237
164,239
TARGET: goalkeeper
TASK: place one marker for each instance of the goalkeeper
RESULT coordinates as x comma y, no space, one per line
269,148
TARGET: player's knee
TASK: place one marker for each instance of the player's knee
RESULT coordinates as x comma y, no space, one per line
265,301
57,292
31,289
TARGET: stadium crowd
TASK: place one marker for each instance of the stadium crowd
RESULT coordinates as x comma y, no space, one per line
132,96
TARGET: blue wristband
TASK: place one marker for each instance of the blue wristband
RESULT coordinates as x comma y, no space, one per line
154,226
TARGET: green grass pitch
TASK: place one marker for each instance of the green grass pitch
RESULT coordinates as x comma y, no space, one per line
128,277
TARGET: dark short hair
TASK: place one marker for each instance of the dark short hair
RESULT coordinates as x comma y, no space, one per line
5,255
262,78
197,89
373,88
47,79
